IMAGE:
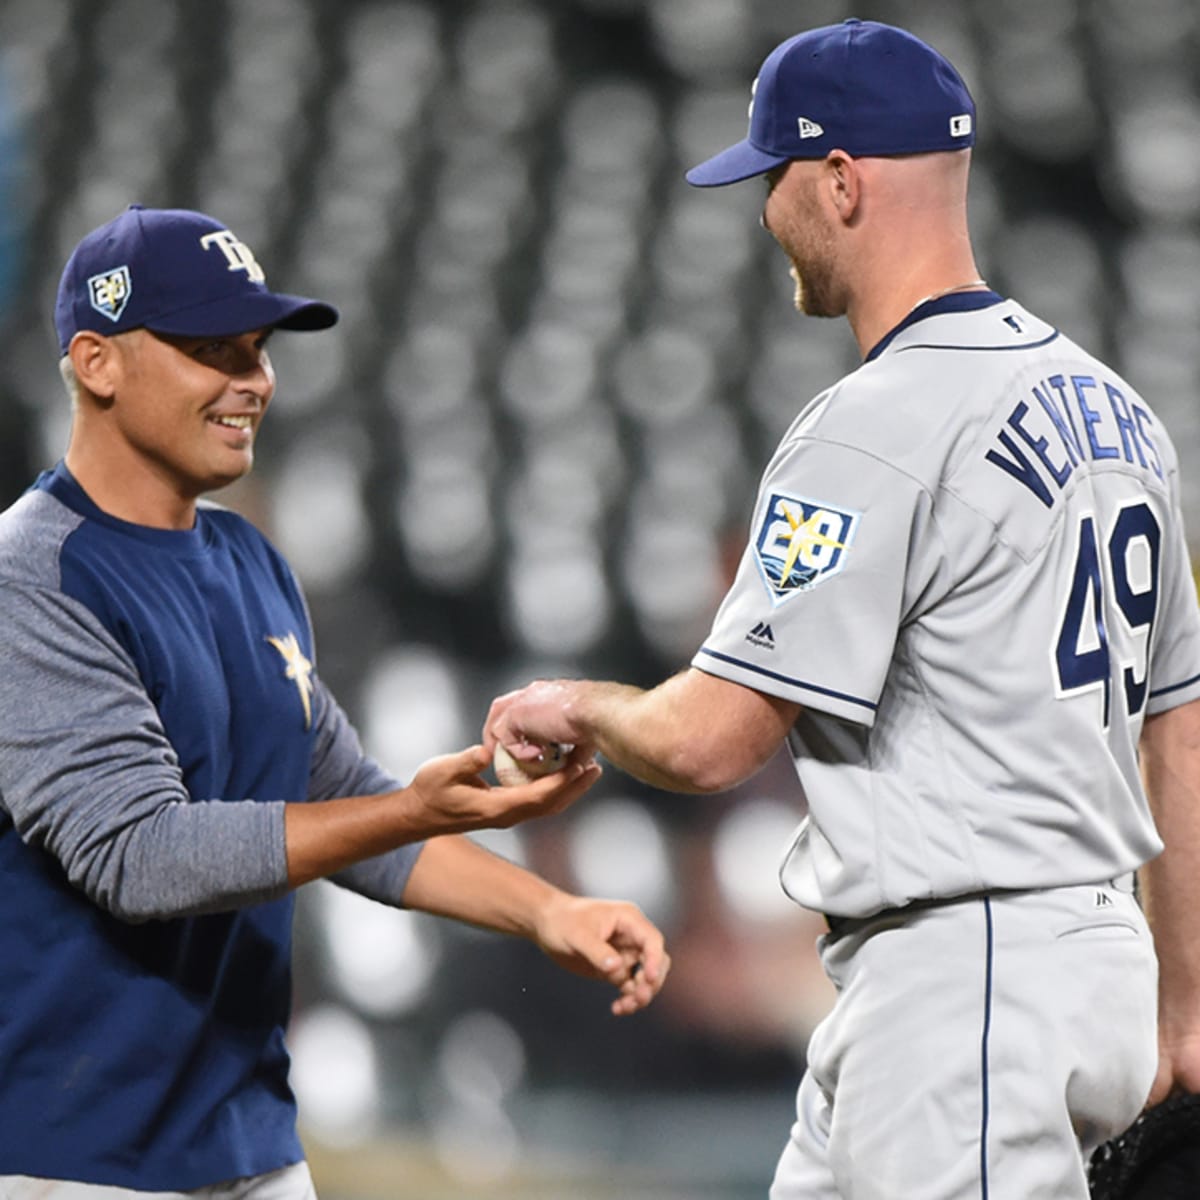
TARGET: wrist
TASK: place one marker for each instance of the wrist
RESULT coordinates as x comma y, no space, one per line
543,911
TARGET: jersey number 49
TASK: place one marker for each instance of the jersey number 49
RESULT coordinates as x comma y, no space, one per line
1123,586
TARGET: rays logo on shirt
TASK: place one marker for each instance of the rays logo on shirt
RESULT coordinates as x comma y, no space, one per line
298,669
109,292
801,542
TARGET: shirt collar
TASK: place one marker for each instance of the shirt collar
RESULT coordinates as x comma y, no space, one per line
959,302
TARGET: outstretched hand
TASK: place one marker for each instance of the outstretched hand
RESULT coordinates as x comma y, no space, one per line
455,798
608,940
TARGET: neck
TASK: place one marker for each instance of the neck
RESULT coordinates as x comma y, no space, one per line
972,285
130,490
888,300
910,240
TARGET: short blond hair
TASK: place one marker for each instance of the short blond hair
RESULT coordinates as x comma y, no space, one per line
66,368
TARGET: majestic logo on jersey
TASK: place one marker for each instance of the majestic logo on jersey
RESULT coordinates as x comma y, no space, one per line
801,542
762,636
238,255
109,292
299,669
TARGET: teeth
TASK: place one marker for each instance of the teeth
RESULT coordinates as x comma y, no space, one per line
234,422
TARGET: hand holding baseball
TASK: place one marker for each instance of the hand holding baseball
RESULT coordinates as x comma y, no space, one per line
452,797
531,723
512,772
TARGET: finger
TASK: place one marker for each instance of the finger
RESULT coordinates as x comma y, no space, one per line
625,1006
476,759
493,725
645,940
635,995
574,787
582,754
606,962
526,751
541,787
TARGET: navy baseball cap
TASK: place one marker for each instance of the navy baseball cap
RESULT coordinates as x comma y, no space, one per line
171,270
862,87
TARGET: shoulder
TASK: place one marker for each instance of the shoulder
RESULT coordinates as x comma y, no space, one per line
33,531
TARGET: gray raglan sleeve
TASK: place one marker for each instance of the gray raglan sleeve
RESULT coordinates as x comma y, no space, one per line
340,768
87,775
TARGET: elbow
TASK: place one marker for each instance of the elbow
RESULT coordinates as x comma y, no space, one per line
703,768
111,893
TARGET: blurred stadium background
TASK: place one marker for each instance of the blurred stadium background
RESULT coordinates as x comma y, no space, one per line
530,448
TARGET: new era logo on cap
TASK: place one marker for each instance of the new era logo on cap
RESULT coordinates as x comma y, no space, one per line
862,87
173,271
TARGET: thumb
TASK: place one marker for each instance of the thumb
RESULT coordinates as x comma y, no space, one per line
474,759
606,961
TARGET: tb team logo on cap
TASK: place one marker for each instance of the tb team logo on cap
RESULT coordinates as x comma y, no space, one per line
238,255
109,292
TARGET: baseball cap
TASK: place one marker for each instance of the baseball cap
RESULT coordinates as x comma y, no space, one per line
171,270
860,86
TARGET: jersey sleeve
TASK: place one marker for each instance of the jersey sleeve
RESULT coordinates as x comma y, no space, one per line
88,775
813,612
340,768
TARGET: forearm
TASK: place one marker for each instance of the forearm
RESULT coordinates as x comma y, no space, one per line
644,733
599,939
1170,755
327,836
693,733
454,877
446,796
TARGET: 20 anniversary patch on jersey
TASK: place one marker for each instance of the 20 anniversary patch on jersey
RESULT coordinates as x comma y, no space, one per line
801,542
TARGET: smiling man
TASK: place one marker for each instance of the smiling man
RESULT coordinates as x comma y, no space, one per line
172,767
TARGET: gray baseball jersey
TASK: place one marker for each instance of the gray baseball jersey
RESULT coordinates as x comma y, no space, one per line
967,563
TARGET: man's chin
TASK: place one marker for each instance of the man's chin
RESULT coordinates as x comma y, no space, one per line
225,477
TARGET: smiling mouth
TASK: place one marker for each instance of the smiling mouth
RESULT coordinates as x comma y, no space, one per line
234,422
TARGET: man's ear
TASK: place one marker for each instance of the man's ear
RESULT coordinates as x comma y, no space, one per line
96,363
844,183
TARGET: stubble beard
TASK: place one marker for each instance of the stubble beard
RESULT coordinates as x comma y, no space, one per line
816,293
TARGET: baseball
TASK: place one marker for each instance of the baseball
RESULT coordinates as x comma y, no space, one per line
512,773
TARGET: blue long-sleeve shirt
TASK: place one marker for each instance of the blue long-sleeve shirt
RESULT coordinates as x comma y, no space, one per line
158,707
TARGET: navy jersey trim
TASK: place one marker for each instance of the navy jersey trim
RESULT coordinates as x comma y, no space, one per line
799,683
985,349
985,1111
952,303
1174,687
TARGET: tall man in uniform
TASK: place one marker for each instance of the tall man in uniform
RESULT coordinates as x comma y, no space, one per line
966,605
172,766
